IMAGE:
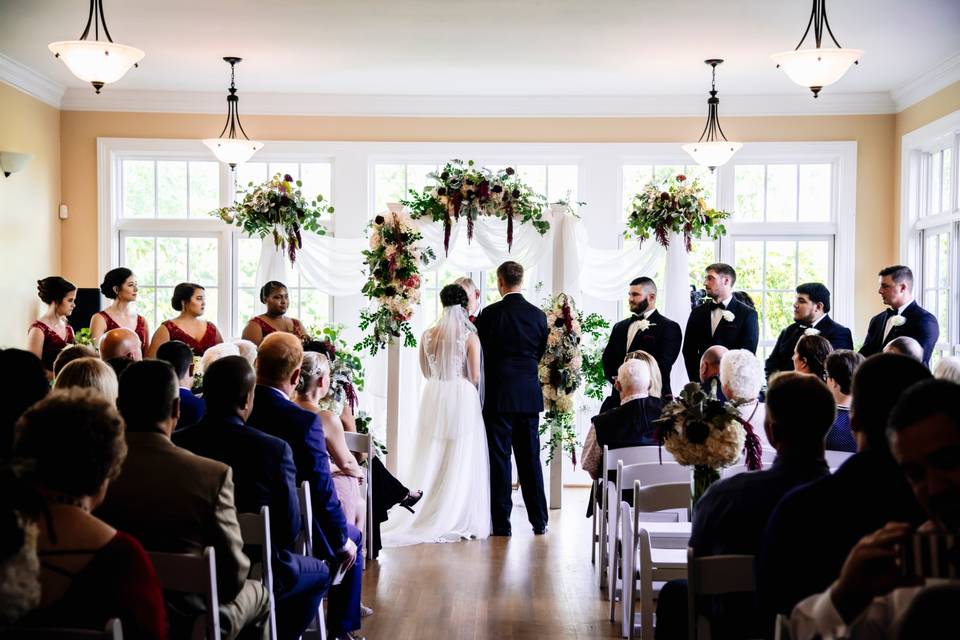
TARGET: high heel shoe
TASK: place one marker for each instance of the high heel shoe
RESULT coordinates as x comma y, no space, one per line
410,500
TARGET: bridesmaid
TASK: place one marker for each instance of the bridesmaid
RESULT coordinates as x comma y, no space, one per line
274,295
51,333
199,335
119,285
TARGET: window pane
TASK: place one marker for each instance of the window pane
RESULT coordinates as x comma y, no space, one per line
248,260
284,168
943,258
203,261
667,171
562,182
748,193
815,192
777,313
171,261
635,178
246,306
946,199
171,189
936,176
138,189
165,310
204,188
388,181
704,253
138,257
749,263
930,260
316,180
417,176
781,262
294,307
814,265
314,307
707,180
781,193
535,176
147,305
943,313
211,310
255,172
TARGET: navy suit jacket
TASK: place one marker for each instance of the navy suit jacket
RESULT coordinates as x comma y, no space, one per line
513,334
192,409
921,325
629,425
742,333
662,340
781,358
302,430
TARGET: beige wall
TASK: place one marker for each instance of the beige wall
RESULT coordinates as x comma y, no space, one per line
29,228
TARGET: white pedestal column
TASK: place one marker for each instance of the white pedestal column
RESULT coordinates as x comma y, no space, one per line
393,406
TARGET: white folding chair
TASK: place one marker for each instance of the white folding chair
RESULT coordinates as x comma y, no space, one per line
363,443
714,576
186,573
255,530
782,629
305,546
836,458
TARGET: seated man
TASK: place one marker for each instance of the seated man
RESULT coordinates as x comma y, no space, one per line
278,372
180,357
121,343
710,370
874,597
263,475
905,346
174,501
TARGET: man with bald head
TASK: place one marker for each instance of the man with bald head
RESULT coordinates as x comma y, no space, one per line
121,343
710,369
905,346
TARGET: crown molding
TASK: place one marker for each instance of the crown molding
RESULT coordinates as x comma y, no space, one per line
30,82
943,75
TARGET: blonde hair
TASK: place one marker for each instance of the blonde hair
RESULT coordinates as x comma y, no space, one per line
315,366
656,381
89,373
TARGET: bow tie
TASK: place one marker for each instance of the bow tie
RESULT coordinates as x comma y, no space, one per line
891,312
717,305
804,327
638,316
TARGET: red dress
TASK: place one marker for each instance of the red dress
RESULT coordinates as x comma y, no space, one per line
208,340
267,329
53,344
118,582
141,329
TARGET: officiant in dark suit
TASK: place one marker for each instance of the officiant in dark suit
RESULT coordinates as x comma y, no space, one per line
722,320
646,330
810,311
904,317
513,334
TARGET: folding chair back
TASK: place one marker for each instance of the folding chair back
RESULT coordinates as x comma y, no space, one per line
363,443
660,497
255,530
305,546
185,573
714,576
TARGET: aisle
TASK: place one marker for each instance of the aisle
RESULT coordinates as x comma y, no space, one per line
505,588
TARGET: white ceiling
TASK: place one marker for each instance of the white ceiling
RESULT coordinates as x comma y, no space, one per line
486,47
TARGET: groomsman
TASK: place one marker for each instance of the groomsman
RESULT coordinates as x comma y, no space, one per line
904,317
646,329
473,296
721,320
810,311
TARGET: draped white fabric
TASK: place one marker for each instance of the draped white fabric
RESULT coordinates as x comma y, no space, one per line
332,265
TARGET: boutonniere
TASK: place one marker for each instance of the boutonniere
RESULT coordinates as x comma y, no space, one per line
898,321
728,315
811,331
645,324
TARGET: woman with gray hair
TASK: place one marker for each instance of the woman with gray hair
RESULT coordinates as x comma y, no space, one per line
741,378
89,373
948,369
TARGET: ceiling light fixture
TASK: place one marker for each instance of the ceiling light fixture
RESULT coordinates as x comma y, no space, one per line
817,68
712,150
93,61
233,150
11,162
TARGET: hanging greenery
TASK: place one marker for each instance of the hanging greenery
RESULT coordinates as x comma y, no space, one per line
674,207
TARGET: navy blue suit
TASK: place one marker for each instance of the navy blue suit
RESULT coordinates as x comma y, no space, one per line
192,409
921,325
264,475
273,413
662,340
513,334
742,333
781,358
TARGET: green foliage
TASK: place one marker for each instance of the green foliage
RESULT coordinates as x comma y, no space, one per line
673,207
561,434
364,420
83,337
596,333
345,358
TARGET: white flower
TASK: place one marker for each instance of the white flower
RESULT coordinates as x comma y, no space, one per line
810,331
898,321
728,315
645,324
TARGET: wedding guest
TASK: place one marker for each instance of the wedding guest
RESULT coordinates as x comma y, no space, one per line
905,346
745,298
841,366
731,515
247,349
278,372
741,378
263,475
948,369
180,357
274,295
216,352
810,355
176,502
873,597
71,353
90,572
904,317
645,330
723,321
473,296
120,285
51,333
119,365
120,343
866,492
89,373
189,299
27,384
810,317
710,371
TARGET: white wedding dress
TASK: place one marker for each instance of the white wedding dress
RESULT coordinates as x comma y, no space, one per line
449,460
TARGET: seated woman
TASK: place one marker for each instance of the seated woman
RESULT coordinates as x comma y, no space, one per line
71,353
274,295
90,373
51,333
840,366
89,572
199,335
120,285
741,378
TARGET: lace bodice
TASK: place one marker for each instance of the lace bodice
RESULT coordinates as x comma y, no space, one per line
443,358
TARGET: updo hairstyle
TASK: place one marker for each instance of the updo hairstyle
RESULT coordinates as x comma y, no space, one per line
54,289
182,293
267,289
453,295
114,279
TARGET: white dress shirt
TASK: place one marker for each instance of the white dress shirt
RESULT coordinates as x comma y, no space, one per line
717,314
635,326
889,326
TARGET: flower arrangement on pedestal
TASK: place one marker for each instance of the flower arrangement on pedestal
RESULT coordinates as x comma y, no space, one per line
464,189
278,208
676,207
393,283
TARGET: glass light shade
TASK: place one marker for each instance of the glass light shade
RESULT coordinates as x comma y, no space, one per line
97,62
816,67
233,151
712,154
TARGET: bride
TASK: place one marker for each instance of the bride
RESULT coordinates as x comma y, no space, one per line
450,460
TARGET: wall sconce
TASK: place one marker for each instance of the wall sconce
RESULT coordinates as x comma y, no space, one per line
12,162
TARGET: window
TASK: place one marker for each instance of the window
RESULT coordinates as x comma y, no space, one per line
169,188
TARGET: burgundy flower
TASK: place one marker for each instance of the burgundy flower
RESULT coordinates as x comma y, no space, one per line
681,178
378,219
287,177
697,432
441,191
516,193
509,171
497,188
664,196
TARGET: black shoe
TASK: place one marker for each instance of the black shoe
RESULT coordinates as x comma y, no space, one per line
410,500
502,532
540,532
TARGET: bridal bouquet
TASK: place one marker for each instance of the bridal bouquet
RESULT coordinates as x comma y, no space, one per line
470,191
278,208
676,207
393,268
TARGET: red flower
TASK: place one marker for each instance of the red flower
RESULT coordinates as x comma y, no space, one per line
412,282
681,178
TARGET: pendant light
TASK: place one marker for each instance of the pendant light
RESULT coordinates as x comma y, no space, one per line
93,61
712,150
817,68
233,150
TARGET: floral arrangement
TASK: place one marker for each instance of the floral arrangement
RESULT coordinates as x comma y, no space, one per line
676,207
346,366
278,208
464,189
82,337
364,423
393,267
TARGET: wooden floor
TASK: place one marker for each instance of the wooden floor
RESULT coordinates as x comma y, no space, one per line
521,587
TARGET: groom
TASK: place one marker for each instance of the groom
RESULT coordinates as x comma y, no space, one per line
513,334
